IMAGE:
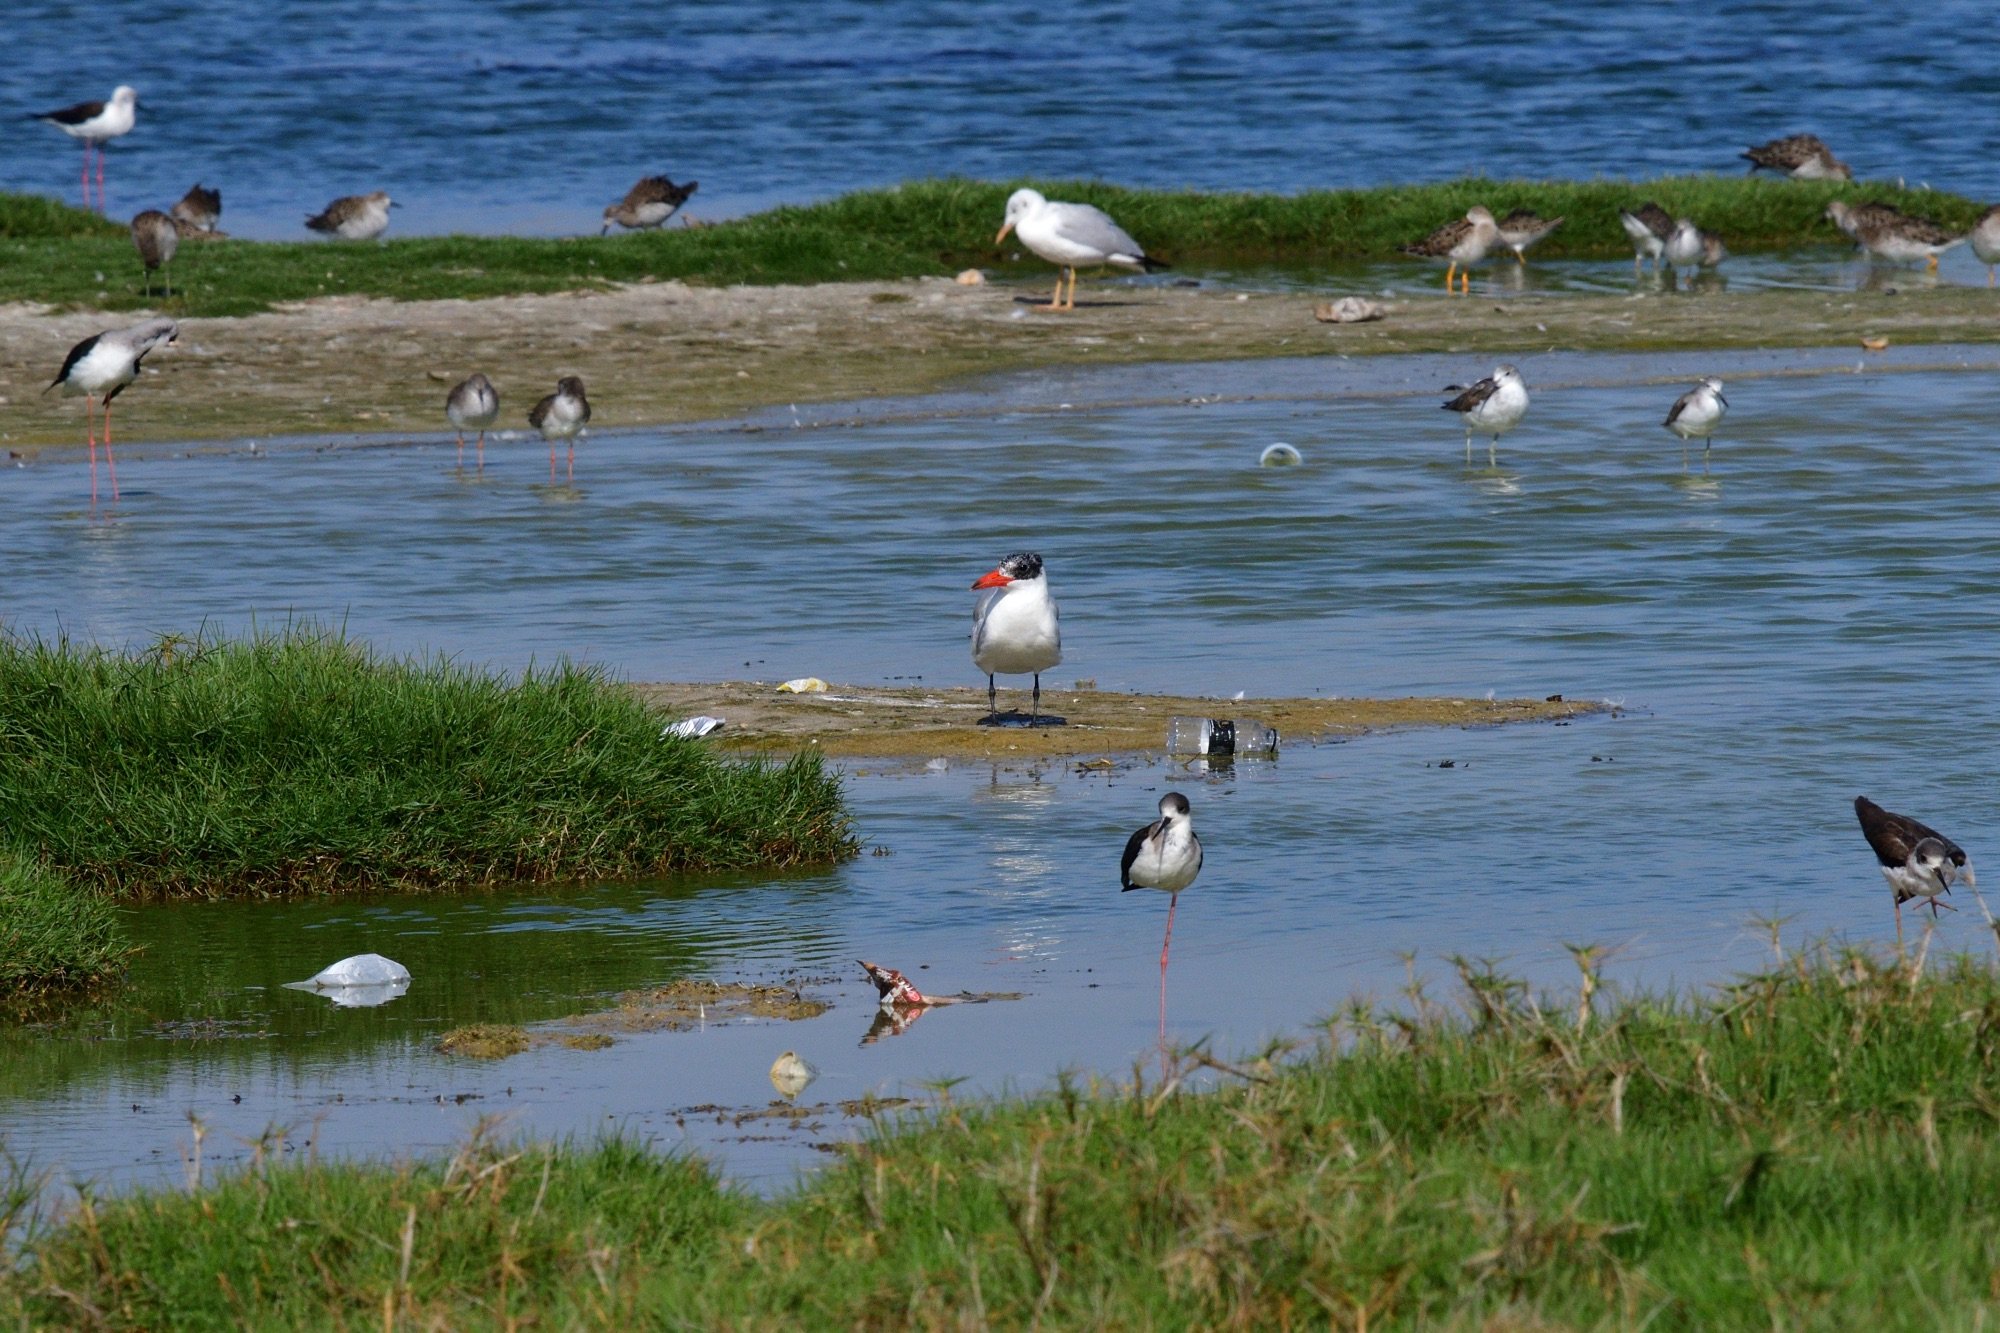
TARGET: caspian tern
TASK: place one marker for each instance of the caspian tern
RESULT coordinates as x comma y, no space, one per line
1015,629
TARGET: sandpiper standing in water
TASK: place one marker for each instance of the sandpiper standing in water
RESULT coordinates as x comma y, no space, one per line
1695,415
1648,226
1493,407
1461,242
96,123
1800,156
355,217
473,404
1890,234
648,204
560,416
1689,247
1523,229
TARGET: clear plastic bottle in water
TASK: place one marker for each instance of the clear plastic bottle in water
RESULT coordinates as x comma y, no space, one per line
1220,737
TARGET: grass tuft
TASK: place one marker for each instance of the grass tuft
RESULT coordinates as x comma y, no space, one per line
54,942
301,762
1811,1148
932,227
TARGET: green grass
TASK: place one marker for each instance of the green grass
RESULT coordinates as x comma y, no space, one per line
54,942
302,763
57,255
1813,1148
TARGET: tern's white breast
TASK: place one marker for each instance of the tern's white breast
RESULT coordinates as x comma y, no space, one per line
1018,631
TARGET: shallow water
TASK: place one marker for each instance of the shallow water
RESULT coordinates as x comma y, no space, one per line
522,117
1808,621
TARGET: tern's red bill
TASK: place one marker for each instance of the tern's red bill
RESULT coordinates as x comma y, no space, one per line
993,578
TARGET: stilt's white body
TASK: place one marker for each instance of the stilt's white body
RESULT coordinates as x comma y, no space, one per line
1169,856
473,405
116,119
1699,411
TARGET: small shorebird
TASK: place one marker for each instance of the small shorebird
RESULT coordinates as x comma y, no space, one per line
1523,229
1648,226
96,123
560,416
156,238
1071,236
649,204
1695,415
199,208
1462,242
1918,861
1164,855
1800,156
1986,240
1893,235
355,217
1688,246
473,404
1493,407
1016,627
104,364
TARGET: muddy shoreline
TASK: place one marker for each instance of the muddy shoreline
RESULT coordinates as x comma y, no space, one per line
667,353
916,724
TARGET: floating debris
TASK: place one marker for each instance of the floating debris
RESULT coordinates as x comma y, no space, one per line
790,1074
360,982
1280,455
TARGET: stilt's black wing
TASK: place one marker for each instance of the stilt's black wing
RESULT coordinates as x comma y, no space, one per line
71,115
1895,836
76,354
1132,846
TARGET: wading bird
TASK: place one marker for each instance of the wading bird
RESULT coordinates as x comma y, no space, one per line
156,238
560,416
1016,628
355,217
1648,226
1523,229
649,204
1917,860
1891,234
1800,156
1985,240
1493,407
473,404
199,208
1695,415
1164,855
96,123
1071,236
102,365
1461,242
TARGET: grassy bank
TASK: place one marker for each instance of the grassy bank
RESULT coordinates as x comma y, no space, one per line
1812,1148
302,763
69,258
54,942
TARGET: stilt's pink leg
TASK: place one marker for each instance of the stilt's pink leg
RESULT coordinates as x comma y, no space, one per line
482,451
571,474
111,461
100,178
461,449
552,462
1165,945
86,173
90,435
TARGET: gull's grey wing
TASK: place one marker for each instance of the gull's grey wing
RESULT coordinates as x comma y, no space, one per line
1086,224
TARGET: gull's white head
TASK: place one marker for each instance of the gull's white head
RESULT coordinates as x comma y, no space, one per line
1019,204
124,95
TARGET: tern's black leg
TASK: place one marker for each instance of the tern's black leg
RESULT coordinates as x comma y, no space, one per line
1035,718
992,699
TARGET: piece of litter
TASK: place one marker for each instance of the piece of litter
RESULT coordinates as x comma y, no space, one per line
692,728
790,1074
1280,455
804,685
360,982
1874,344
937,765
896,990
971,277
1349,310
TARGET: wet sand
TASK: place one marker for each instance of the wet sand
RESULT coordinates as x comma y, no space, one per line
910,724
663,353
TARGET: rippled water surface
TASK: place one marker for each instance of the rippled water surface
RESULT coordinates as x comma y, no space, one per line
1811,619
530,117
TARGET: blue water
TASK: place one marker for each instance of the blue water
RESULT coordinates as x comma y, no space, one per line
529,118
1810,620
